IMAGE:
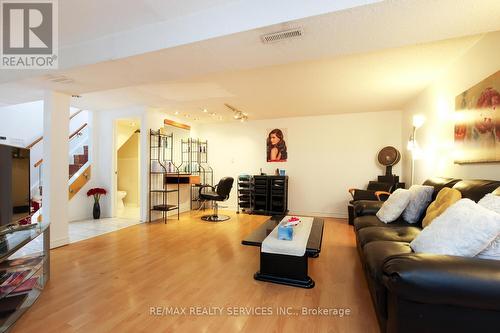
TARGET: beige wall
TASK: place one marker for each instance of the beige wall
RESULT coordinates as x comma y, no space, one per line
326,155
437,104
128,170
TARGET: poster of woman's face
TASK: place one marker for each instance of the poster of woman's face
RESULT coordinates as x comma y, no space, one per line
276,146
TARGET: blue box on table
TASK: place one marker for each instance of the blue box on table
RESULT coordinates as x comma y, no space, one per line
285,232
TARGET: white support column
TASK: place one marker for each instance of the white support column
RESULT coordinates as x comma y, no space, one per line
56,114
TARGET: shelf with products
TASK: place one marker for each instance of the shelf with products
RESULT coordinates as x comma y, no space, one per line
164,176
194,160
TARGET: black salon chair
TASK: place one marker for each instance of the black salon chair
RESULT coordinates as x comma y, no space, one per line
218,193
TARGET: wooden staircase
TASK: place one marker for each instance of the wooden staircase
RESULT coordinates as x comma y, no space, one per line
78,161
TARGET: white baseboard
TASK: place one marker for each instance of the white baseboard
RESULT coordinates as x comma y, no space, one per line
337,215
54,243
320,214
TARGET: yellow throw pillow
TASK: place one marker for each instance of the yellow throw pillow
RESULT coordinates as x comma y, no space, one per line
445,198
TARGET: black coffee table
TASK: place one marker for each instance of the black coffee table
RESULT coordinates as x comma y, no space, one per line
286,269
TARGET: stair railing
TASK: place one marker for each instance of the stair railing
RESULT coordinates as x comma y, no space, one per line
78,158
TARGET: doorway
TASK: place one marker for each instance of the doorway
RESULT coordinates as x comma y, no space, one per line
128,181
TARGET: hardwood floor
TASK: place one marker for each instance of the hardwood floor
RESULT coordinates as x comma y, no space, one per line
109,283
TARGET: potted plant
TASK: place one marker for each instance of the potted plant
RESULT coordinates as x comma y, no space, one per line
96,193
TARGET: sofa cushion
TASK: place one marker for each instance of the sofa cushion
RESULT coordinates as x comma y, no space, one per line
420,197
376,253
476,189
392,209
445,198
464,229
395,234
361,222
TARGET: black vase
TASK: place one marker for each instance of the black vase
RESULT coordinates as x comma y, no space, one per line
97,210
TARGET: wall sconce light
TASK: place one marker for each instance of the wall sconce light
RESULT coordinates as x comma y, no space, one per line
413,147
238,115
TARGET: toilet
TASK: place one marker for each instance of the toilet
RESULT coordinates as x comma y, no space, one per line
120,195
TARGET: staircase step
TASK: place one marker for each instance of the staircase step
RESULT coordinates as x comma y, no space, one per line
73,168
86,150
80,159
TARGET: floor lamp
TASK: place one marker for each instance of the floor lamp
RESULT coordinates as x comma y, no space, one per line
418,121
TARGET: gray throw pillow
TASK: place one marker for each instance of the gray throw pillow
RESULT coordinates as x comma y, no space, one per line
420,198
392,208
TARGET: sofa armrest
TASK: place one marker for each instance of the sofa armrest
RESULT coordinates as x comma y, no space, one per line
382,195
441,279
367,207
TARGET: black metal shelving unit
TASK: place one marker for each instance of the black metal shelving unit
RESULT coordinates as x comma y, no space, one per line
245,194
194,157
265,195
162,167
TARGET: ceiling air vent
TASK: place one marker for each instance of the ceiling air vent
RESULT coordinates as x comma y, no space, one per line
281,35
59,79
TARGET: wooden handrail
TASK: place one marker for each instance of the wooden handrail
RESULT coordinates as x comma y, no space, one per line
77,131
41,137
37,164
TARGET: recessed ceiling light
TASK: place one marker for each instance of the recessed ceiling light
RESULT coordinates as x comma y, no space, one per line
205,110
176,112
213,114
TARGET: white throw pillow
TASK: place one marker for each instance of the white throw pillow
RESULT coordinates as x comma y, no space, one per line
394,206
420,197
464,229
492,202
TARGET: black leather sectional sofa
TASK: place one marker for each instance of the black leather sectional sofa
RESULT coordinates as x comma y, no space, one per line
425,292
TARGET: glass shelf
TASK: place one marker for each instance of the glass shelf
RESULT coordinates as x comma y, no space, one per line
13,241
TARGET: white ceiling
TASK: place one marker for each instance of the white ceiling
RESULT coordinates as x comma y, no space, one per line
367,58
93,31
375,81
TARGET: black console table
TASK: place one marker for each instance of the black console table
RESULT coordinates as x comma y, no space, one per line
266,195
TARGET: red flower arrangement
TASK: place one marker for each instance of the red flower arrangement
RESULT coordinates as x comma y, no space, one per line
96,192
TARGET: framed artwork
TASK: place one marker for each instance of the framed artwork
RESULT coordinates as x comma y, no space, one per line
477,126
276,146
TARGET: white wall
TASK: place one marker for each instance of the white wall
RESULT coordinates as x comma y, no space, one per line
23,122
437,104
80,206
104,162
326,155
128,170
